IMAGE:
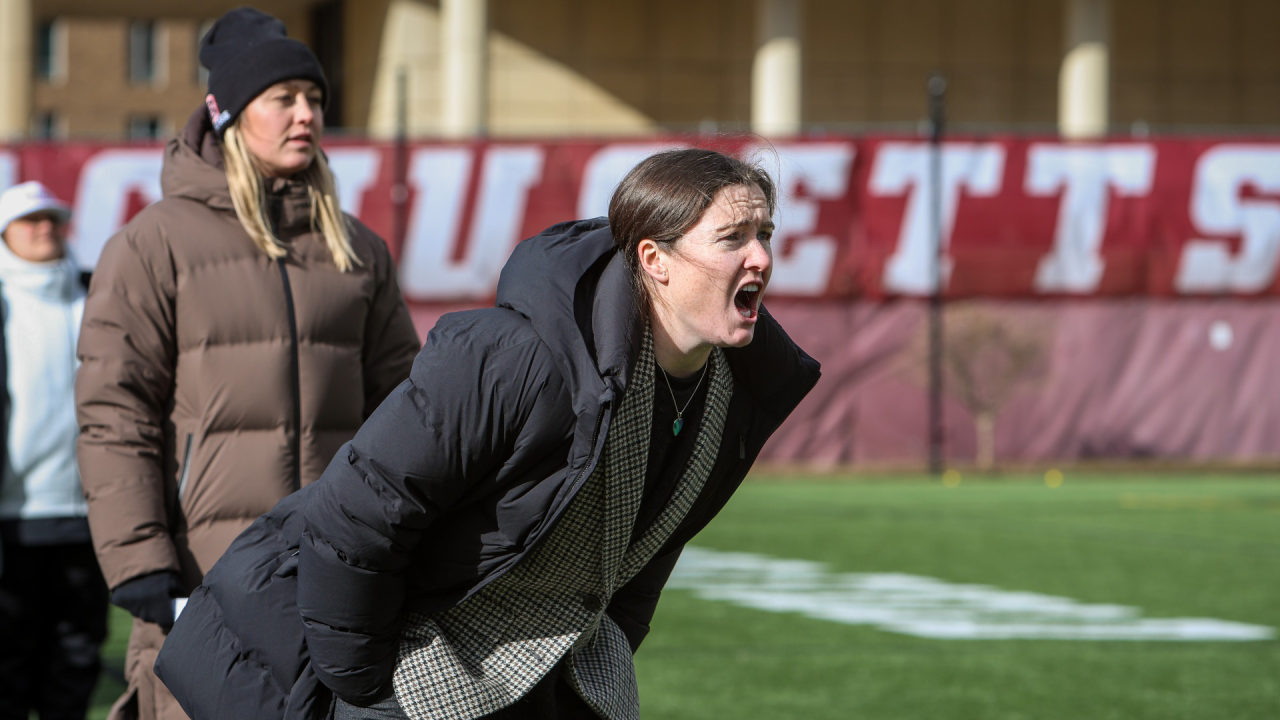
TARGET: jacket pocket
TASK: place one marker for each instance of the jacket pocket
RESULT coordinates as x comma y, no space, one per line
184,473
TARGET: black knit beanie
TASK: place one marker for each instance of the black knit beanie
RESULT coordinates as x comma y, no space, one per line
246,51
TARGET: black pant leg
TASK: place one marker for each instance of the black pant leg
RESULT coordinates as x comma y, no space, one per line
77,624
566,704
19,633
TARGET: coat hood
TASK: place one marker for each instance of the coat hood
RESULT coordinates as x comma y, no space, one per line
554,280
574,287
193,166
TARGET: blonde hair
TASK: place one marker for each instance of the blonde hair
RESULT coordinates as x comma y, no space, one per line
248,195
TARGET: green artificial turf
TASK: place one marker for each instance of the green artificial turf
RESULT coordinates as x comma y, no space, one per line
1188,547
1172,545
110,684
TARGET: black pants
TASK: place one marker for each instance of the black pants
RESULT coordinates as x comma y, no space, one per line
551,699
53,619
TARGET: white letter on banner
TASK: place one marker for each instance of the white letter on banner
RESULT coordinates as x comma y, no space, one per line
355,169
1083,174
106,182
441,177
428,270
902,166
606,169
8,170
801,260
1217,210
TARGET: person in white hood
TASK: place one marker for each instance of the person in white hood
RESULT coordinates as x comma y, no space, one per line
53,600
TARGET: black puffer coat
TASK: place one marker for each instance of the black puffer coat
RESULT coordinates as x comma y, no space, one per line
456,477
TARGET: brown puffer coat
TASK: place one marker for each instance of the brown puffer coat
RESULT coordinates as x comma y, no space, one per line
215,380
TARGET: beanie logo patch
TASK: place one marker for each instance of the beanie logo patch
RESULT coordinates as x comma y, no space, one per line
219,118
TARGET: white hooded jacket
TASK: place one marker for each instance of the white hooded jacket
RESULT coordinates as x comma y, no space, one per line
41,305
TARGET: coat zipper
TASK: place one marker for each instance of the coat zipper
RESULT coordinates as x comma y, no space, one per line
186,470
295,376
577,481
595,435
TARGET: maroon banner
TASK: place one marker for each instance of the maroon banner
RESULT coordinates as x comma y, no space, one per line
1019,217
1036,383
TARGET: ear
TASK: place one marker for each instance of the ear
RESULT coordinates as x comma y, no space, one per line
653,260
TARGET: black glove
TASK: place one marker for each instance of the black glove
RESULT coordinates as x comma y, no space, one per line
150,597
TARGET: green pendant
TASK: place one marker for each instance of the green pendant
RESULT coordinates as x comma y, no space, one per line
675,426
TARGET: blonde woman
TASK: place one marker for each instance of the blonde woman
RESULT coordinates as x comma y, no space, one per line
236,334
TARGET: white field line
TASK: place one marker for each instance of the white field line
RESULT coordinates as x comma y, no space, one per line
928,607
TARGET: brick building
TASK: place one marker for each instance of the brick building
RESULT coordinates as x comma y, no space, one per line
127,68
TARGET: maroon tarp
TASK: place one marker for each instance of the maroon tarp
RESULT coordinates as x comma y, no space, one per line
1122,379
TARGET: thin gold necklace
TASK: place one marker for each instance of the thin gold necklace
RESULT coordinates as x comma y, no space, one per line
679,423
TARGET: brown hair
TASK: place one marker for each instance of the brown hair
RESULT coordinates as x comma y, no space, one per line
667,193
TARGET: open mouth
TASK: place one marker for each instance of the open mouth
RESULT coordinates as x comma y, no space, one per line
747,300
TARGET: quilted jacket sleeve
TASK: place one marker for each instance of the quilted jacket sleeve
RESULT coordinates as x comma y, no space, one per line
390,340
127,355
440,434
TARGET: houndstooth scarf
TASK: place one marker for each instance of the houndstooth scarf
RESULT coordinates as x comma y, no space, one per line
489,651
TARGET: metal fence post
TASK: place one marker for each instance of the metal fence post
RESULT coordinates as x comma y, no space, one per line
937,432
